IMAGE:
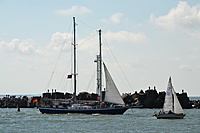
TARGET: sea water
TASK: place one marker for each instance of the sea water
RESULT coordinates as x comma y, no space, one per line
30,120
194,98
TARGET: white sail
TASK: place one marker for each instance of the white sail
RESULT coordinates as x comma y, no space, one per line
168,105
112,94
177,105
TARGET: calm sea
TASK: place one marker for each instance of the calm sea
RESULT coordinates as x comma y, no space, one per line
194,98
133,121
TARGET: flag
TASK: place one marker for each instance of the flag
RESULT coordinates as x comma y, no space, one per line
98,98
35,100
69,76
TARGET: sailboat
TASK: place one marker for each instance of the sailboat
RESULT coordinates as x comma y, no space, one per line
112,103
172,108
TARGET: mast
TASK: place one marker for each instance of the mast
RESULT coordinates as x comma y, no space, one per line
100,66
98,75
74,59
99,69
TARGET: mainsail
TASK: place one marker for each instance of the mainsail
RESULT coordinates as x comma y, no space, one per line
112,94
168,105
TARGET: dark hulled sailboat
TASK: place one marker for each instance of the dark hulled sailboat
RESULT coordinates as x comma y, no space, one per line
112,104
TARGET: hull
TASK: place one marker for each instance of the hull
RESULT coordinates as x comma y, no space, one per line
169,116
109,111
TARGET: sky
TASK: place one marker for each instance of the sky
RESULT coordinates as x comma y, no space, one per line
144,43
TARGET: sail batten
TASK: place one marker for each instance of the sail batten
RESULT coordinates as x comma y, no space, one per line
112,94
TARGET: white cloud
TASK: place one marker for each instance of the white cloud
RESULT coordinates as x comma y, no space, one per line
16,45
61,40
185,67
197,49
74,10
198,66
27,46
90,43
175,59
125,37
115,18
194,57
194,35
181,17
136,63
90,46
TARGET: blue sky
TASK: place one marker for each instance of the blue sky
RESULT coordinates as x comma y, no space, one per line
151,40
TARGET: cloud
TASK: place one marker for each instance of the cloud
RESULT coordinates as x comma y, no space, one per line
74,10
194,35
61,40
90,46
197,57
16,45
125,37
197,48
136,63
115,18
198,66
181,17
90,43
185,67
175,59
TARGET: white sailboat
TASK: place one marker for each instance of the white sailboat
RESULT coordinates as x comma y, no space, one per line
172,108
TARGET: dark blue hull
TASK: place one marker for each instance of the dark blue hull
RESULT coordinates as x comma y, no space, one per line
109,111
169,116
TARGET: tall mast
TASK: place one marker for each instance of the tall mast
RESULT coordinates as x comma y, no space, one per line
74,59
100,66
98,75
